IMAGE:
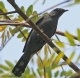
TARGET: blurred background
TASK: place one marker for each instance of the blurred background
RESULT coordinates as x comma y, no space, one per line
12,42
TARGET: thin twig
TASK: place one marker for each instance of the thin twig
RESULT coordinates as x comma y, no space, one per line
8,13
8,21
65,1
77,76
27,25
66,43
35,2
63,71
17,24
57,38
63,34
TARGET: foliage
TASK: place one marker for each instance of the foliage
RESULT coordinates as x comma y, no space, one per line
51,61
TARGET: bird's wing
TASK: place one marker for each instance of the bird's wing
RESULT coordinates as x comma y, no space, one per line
37,23
39,20
27,40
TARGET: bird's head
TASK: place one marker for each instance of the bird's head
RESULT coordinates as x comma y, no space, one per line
57,12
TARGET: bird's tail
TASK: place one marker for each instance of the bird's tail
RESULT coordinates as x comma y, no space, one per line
21,65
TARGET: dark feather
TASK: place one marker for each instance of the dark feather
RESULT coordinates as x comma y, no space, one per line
37,23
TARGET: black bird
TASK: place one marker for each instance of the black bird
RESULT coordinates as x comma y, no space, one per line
34,42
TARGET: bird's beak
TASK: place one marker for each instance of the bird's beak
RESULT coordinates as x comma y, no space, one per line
66,10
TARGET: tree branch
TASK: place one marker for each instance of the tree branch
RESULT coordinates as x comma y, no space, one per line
63,34
65,1
17,24
45,37
9,22
8,13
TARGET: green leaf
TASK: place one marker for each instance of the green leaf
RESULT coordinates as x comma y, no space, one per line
60,44
33,72
5,76
74,3
11,31
3,37
78,32
62,73
10,16
1,71
49,49
54,66
22,8
27,70
1,5
9,64
4,67
48,70
39,72
23,39
20,18
4,10
8,34
56,74
29,10
58,57
25,32
35,17
78,59
70,38
50,59
45,51
72,55
19,35
57,37
15,30
39,63
77,1
2,28
69,73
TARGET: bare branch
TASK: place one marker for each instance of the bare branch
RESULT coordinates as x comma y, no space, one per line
27,25
8,21
77,76
65,1
8,13
63,34
17,24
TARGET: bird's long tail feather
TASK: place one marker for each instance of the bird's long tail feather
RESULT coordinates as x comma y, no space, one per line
21,65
